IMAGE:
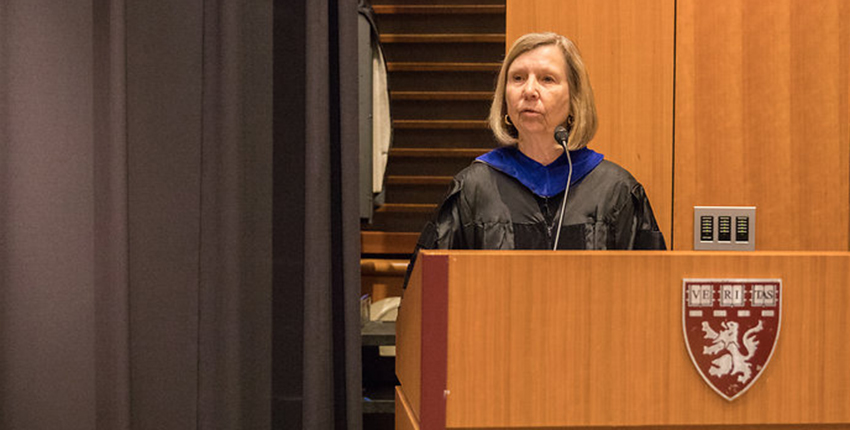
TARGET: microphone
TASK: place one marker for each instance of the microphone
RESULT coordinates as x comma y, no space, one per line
561,136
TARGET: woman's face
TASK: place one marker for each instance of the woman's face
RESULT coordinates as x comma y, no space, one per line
537,92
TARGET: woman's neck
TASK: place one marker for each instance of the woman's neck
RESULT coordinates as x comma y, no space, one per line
543,150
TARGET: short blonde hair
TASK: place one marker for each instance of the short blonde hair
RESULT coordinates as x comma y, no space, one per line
582,104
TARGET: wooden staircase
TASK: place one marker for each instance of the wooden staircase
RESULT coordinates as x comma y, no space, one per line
443,57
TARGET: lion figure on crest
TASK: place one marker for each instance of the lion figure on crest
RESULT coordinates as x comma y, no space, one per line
733,362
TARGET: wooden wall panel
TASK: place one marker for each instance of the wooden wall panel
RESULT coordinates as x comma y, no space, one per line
762,118
628,50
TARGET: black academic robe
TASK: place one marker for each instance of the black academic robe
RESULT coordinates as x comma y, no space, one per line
487,209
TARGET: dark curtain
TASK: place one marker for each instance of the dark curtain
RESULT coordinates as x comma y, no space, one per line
316,382
135,214
234,307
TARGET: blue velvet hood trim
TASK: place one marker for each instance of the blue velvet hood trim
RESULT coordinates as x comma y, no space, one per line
545,181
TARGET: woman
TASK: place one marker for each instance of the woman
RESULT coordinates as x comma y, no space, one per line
510,198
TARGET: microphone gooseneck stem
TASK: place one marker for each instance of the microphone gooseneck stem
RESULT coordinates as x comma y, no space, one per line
566,192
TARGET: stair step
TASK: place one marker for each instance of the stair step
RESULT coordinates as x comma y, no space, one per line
439,9
439,124
443,51
418,180
443,38
429,166
380,242
441,109
442,19
399,189
443,67
418,208
438,152
443,77
443,138
441,95
399,221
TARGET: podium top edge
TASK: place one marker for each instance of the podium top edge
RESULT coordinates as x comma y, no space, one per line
620,253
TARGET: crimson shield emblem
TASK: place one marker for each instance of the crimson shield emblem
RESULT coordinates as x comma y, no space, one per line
731,328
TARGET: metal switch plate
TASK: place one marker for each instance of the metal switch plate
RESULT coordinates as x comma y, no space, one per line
725,228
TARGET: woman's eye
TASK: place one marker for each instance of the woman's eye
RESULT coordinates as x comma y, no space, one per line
516,78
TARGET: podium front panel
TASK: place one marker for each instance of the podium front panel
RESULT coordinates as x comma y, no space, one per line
570,339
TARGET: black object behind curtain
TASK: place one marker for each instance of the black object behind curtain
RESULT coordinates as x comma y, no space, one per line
316,353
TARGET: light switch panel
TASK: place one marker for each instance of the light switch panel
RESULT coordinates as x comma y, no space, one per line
725,228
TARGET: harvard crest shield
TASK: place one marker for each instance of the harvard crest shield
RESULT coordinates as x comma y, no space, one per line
731,327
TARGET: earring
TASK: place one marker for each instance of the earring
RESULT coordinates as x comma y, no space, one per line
508,120
570,122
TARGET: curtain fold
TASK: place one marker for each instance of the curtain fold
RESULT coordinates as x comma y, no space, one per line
135,214
111,280
317,383
234,364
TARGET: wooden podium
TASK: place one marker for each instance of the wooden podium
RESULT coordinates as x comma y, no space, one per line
545,340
